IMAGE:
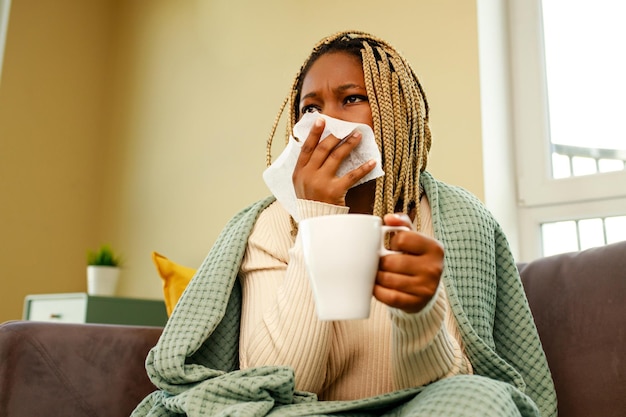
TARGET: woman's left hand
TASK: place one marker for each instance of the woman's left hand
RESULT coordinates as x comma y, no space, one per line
408,281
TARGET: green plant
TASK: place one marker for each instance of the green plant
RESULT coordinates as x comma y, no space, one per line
103,257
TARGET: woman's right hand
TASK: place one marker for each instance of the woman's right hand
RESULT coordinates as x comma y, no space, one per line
315,175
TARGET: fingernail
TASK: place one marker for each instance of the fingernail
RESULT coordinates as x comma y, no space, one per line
318,122
356,134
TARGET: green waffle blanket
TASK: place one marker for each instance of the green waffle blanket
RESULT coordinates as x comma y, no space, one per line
195,363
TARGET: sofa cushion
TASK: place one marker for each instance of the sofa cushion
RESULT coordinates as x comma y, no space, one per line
175,278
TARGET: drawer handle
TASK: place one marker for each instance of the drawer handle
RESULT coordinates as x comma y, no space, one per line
55,316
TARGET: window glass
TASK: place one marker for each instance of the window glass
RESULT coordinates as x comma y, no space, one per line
559,237
573,235
615,229
585,67
591,232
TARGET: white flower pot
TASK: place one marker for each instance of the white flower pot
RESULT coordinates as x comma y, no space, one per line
102,280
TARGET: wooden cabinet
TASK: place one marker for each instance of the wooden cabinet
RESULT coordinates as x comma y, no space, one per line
84,308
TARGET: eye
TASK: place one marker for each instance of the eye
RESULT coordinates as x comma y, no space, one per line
355,99
309,109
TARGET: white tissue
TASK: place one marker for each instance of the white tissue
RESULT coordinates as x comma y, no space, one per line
278,175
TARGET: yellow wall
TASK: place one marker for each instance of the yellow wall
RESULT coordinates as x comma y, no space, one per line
143,122
53,105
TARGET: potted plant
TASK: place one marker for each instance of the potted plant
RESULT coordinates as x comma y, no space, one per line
103,270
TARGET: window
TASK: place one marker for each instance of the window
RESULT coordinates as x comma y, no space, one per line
4,22
547,161
574,235
568,99
585,66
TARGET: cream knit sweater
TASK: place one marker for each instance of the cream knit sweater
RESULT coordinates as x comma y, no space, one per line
337,360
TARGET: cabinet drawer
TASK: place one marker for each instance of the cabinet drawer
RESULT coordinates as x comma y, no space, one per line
63,310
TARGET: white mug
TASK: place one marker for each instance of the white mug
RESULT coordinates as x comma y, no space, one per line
341,254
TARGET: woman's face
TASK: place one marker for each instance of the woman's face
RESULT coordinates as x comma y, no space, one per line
335,86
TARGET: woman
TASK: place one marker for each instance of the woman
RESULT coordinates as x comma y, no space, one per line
450,332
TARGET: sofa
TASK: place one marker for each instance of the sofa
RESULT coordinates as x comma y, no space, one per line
94,370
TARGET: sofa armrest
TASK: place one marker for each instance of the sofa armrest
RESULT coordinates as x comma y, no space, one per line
73,369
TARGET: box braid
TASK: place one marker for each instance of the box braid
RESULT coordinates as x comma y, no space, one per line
399,111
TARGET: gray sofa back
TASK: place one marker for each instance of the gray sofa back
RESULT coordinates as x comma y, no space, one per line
578,301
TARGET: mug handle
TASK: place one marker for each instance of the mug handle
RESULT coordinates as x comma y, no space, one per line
388,229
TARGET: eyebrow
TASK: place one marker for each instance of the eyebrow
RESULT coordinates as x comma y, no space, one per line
341,88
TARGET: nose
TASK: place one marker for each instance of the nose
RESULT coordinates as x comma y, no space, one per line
333,110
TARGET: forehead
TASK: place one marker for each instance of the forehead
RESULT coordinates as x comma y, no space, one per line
334,68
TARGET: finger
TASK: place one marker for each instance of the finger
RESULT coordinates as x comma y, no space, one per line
424,268
407,302
398,219
339,151
325,154
331,151
401,263
416,243
338,155
311,142
350,178
418,285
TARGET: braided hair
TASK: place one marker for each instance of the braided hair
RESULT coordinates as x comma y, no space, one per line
399,112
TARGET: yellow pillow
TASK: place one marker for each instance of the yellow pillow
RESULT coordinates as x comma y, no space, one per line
175,279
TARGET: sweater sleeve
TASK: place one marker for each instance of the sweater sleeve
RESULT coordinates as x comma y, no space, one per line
279,323
427,345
